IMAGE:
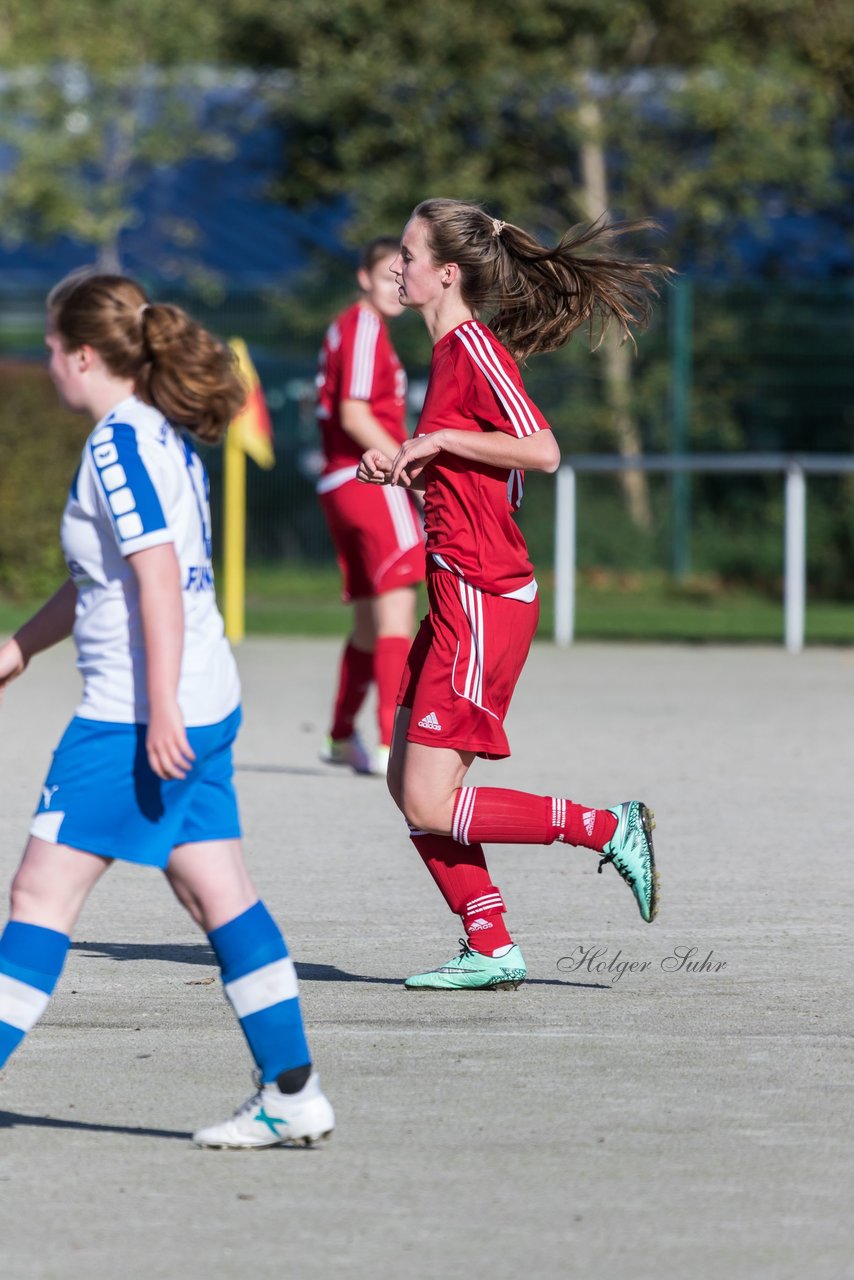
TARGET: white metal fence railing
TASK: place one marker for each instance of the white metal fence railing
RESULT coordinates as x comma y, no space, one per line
794,467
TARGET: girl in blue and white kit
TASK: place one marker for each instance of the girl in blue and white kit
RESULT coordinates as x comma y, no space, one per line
144,771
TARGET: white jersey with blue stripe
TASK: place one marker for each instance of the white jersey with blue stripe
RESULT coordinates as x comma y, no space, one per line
141,484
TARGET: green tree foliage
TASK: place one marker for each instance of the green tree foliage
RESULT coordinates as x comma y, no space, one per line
39,449
553,112
701,110
91,96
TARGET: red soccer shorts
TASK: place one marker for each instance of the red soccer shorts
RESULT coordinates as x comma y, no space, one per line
377,535
463,667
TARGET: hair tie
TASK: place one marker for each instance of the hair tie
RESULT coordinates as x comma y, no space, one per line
497,227
140,311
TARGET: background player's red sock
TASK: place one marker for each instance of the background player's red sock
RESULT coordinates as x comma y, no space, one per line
464,882
493,815
354,679
389,660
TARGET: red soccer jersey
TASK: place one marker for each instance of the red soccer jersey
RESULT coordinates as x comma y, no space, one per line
475,385
358,362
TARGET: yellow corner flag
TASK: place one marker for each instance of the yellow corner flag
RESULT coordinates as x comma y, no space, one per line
250,432
252,428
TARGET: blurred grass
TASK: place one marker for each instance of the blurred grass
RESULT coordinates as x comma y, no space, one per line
290,600
294,600
285,600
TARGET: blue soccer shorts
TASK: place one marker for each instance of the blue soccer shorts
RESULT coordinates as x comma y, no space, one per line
101,795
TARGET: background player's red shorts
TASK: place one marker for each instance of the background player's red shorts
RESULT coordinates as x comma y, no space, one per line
378,538
463,666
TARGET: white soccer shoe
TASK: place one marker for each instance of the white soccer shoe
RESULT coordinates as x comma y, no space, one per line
271,1118
351,751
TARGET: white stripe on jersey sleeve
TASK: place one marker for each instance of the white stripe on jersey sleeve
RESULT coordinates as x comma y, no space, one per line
511,399
364,353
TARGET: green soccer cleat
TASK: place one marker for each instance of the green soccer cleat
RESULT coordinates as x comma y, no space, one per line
471,971
630,850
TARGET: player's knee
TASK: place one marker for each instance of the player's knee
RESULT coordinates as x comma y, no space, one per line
27,895
423,813
413,816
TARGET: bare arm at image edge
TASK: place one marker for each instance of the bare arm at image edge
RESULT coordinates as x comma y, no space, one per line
53,622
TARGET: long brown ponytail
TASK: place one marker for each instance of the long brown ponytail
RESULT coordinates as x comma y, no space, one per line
175,364
539,296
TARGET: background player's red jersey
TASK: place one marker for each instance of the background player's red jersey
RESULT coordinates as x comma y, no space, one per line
358,362
475,385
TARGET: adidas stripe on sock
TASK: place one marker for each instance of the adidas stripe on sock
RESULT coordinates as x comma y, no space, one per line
465,884
494,815
485,929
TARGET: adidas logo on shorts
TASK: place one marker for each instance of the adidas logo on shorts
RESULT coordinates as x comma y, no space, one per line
430,722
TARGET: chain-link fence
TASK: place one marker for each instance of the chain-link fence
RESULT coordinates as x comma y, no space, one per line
723,367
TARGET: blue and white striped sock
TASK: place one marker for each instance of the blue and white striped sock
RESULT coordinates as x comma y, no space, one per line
261,983
31,960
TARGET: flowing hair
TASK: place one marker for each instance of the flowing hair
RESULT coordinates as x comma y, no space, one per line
537,297
175,364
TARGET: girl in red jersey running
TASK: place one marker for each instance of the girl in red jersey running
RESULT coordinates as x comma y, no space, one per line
361,404
478,433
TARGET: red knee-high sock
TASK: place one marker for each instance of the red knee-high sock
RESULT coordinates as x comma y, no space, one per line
463,880
491,815
389,660
354,679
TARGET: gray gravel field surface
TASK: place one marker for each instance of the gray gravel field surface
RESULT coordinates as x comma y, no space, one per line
665,1102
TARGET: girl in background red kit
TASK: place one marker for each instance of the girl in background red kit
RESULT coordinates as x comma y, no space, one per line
477,434
361,404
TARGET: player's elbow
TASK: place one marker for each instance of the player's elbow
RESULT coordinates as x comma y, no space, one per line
548,454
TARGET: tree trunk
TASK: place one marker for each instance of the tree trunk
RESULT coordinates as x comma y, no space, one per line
108,259
616,356
117,157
